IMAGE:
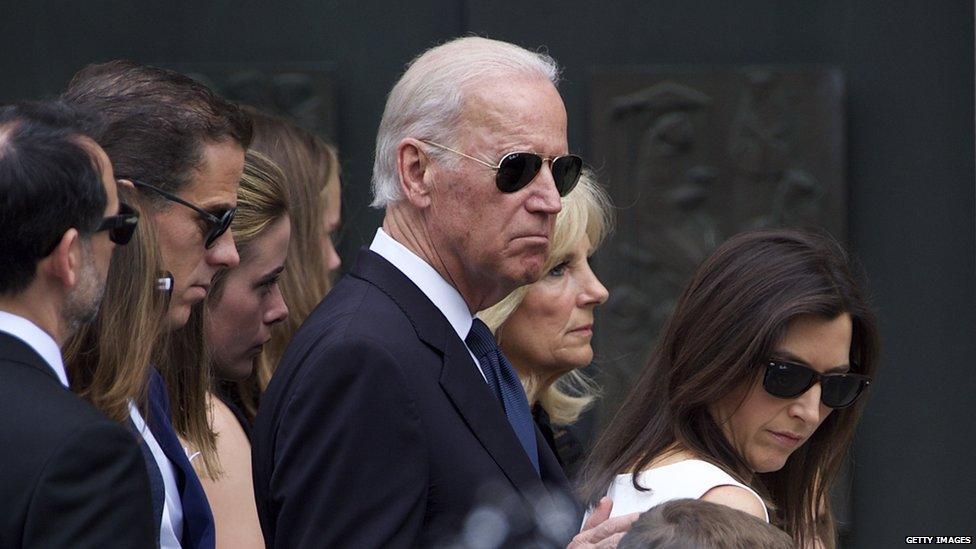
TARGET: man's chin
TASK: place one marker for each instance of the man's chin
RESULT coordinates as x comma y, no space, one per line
532,272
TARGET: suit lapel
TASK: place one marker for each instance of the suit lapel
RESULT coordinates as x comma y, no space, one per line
197,519
459,376
485,417
170,444
552,472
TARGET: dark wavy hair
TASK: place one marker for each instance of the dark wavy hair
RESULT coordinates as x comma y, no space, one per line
157,121
728,320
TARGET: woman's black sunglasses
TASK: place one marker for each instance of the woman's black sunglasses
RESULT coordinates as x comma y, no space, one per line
218,223
789,380
122,226
518,169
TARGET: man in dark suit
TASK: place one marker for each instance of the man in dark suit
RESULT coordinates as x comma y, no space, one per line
392,414
69,477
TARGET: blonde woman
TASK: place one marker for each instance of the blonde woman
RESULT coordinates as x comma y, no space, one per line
238,318
545,328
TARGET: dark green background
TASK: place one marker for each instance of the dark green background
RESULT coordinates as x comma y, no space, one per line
909,72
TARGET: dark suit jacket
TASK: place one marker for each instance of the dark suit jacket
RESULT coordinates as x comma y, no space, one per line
377,429
198,523
69,477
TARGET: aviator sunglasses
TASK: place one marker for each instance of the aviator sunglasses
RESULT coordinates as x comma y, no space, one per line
789,380
218,223
517,169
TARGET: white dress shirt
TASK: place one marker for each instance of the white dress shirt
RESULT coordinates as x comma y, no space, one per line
171,523
444,296
37,339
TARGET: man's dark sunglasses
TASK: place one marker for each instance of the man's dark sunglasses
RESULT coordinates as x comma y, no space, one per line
518,169
218,224
122,226
789,380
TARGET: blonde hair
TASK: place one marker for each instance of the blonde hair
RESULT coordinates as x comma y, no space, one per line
586,211
108,360
262,200
307,164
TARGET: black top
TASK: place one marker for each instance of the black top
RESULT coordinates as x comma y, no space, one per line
562,441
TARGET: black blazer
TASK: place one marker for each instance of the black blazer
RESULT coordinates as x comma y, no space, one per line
69,477
377,429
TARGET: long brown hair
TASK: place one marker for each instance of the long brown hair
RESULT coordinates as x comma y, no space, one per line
182,364
729,318
109,359
308,164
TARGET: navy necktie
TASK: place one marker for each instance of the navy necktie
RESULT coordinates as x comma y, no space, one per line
504,382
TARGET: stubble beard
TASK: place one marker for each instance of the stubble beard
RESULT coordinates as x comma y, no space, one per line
83,302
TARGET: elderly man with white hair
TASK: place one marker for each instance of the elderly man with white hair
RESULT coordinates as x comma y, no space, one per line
392,412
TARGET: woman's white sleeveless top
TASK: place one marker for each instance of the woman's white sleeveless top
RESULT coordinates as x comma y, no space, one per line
691,478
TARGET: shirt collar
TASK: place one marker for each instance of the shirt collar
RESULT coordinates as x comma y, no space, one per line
37,339
444,296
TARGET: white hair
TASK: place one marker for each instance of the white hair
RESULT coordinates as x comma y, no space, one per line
427,101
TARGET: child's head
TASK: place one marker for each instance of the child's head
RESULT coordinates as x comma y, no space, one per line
692,523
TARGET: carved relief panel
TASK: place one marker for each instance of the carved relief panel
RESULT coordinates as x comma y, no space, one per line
691,157
305,94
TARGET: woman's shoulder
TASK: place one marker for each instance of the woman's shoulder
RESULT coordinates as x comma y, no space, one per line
689,478
686,477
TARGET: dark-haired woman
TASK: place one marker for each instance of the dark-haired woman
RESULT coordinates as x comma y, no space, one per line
751,397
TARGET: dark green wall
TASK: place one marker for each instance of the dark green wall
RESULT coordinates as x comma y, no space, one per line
909,71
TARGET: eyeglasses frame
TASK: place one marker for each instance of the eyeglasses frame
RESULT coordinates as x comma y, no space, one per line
215,221
545,159
818,378
107,223
127,216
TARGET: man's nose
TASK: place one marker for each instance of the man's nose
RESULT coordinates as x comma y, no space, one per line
224,252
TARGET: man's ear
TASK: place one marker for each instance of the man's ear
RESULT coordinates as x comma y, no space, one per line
412,166
126,183
65,261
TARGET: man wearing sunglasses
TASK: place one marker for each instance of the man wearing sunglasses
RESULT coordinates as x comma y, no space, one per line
182,148
70,477
392,413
